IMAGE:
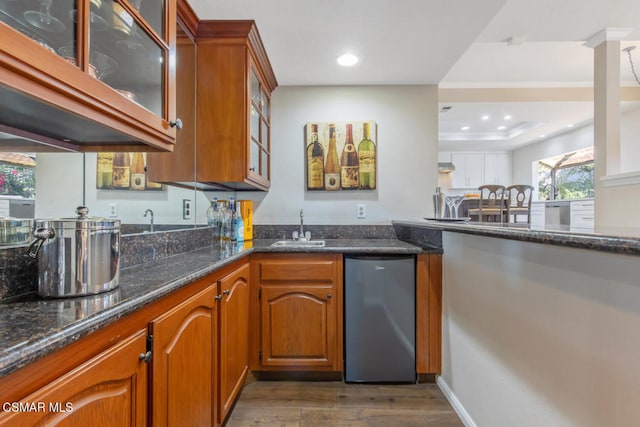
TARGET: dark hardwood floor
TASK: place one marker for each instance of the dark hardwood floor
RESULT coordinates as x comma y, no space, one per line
325,404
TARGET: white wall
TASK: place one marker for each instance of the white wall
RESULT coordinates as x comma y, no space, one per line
406,148
59,190
522,159
578,138
539,335
630,141
615,206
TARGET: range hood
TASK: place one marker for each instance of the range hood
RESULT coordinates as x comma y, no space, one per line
446,167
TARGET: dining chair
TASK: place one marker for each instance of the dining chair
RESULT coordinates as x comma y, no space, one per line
491,203
519,201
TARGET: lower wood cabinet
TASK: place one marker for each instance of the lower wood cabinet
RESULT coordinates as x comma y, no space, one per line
297,309
110,389
183,362
234,337
428,313
184,359
180,361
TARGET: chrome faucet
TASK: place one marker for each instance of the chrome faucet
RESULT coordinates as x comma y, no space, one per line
301,225
150,212
554,191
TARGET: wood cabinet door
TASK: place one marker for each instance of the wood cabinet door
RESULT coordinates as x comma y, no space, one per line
108,390
234,337
183,374
299,327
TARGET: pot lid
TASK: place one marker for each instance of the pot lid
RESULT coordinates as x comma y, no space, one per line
82,221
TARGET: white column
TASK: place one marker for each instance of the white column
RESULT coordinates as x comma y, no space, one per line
606,86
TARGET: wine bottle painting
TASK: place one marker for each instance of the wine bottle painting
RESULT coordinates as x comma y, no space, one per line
124,171
341,156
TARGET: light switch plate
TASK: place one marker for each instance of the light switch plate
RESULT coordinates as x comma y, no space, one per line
113,210
186,209
361,211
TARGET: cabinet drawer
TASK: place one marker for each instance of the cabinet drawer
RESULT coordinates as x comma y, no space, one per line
304,268
586,205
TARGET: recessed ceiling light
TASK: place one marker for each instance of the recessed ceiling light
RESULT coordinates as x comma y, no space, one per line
507,117
485,117
570,125
465,128
542,136
347,60
502,127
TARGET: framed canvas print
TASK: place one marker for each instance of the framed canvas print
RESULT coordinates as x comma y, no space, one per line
341,155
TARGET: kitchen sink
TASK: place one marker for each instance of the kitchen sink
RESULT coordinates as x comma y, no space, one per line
300,243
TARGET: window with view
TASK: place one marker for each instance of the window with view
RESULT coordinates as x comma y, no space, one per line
566,176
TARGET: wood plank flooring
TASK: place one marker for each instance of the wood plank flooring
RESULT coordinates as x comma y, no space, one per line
325,404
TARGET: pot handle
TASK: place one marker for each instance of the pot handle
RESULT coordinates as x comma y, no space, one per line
41,235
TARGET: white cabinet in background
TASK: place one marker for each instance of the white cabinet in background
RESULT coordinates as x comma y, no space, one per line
582,215
538,218
497,169
476,169
469,171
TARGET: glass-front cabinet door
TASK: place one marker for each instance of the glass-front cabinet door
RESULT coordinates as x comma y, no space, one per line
260,129
122,43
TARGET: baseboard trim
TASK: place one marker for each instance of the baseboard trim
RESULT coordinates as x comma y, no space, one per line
455,403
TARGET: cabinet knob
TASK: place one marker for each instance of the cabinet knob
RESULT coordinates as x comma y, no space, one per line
252,168
177,123
146,357
329,296
217,297
226,292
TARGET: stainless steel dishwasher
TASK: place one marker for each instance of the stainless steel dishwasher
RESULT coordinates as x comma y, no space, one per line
379,318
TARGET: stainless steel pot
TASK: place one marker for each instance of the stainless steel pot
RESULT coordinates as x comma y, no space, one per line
76,256
14,231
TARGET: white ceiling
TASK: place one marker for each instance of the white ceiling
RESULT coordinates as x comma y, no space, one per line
456,44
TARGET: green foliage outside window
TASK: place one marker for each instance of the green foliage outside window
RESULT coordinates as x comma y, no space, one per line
575,182
17,180
572,182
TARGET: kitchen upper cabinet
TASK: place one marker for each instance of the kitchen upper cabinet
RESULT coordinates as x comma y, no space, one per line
110,387
469,171
178,167
183,360
476,169
299,312
87,75
233,112
234,337
497,169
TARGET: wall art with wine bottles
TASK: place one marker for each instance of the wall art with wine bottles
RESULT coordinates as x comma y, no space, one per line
124,171
341,155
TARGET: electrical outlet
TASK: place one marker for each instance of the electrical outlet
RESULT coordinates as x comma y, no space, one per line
113,210
361,211
186,209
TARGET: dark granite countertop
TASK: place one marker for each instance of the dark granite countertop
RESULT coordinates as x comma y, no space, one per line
33,328
558,235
